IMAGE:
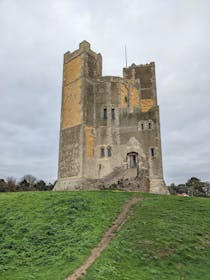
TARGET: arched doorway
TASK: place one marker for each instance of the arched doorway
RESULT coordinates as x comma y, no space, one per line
132,160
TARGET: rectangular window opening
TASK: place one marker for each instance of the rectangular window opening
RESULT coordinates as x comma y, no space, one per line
113,113
105,114
102,152
109,151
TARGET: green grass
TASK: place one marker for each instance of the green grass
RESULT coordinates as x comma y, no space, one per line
46,235
166,237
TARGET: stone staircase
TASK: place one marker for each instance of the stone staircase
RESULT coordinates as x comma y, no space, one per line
118,174
127,179
123,179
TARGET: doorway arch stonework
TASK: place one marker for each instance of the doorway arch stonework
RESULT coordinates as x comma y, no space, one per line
134,146
132,159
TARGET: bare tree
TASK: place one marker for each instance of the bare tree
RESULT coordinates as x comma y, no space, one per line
11,184
3,186
30,179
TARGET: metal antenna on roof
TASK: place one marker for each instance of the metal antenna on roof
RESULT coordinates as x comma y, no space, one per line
126,62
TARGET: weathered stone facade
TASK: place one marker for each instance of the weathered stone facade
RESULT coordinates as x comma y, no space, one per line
110,129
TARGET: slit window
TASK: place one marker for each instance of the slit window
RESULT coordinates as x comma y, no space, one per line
150,125
142,126
113,113
105,113
109,151
152,151
102,152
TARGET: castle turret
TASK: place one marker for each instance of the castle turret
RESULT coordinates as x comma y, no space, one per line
110,129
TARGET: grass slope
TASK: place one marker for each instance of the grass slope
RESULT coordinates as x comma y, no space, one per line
166,237
47,235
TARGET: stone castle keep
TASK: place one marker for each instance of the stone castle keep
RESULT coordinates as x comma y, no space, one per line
110,129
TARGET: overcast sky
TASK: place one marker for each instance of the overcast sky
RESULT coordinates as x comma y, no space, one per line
35,34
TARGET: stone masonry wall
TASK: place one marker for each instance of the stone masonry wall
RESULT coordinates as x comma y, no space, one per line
117,115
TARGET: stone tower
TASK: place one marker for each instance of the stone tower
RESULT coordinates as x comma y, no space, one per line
110,128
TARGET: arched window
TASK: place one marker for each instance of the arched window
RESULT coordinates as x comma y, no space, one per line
150,124
141,125
105,113
145,125
113,113
132,159
102,152
109,151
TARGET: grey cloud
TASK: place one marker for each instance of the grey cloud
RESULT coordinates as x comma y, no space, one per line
34,36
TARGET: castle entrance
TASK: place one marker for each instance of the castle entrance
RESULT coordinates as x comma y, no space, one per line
132,160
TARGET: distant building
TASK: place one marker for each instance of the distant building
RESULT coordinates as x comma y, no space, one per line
110,128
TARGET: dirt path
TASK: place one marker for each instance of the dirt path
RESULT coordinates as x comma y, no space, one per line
108,236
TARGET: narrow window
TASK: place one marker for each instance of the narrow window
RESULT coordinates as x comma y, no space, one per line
105,113
126,99
102,152
150,125
142,126
113,113
109,151
152,150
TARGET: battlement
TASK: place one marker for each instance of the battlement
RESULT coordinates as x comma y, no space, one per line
84,47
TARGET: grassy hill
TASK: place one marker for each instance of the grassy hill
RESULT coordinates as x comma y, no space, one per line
165,238
47,235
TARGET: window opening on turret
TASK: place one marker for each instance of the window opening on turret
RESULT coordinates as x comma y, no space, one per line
142,126
113,113
109,151
150,124
152,151
105,113
102,152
